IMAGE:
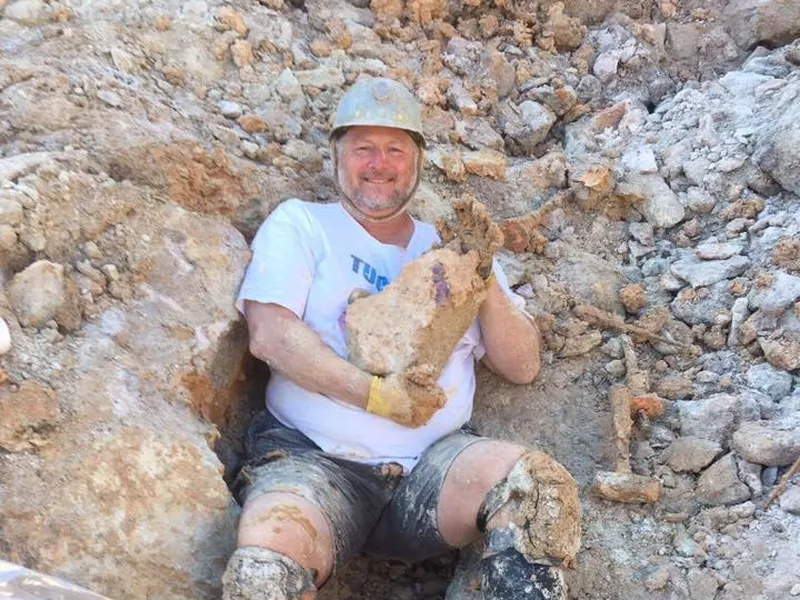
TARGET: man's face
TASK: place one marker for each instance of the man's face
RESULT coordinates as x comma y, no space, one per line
377,168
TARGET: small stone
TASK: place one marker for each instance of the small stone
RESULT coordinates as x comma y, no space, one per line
8,238
671,283
242,53
580,344
659,204
790,502
720,484
616,368
702,584
162,23
459,98
675,387
613,347
232,20
769,380
27,12
566,32
230,110
10,211
250,149
769,475
525,125
92,250
658,580
626,487
321,78
290,90
769,443
5,337
711,418
111,272
750,474
705,306
718,251
37,293
783,353
704,273
739,314
691,454
699,200
640,159
633,297
486,163
782,291
478,133
605,66
252,123
111,98
642,232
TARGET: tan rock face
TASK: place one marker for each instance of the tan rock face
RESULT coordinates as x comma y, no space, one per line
114,454
27,417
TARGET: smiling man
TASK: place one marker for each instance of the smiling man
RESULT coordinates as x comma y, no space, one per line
333,466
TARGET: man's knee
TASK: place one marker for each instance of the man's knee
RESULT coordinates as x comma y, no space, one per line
290,525
536,510
474,472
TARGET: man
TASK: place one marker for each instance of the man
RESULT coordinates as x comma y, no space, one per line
333,467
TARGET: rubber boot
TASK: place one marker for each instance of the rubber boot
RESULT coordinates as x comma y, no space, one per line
508,575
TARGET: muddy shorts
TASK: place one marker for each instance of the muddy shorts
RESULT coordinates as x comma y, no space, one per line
375,508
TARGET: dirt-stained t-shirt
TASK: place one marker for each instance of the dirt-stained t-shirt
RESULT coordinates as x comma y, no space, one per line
308,258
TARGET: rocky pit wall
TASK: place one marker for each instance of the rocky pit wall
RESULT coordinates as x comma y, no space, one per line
141,144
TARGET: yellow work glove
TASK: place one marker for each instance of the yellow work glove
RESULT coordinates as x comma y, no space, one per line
408,398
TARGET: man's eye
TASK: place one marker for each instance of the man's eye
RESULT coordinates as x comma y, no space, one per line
397,151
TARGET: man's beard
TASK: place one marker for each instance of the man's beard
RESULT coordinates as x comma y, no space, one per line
362,204
363,201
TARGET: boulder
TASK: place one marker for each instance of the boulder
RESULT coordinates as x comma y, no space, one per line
769,443
720,484
114,454
691,454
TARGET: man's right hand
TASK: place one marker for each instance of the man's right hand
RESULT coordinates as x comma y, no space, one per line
409,398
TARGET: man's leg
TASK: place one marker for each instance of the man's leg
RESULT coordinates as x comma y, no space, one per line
529,513
304,513
284,546
525,502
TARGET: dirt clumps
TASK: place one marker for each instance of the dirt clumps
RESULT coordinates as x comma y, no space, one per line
192,177
633,297
786,255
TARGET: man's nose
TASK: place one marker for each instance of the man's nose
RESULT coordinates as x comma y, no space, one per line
378,159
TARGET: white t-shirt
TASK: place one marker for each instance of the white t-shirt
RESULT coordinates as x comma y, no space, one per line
308,258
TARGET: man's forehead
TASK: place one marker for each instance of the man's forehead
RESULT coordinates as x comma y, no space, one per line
367,132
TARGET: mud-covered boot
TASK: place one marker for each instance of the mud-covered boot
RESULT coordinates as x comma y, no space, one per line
508,575
260,574
531,521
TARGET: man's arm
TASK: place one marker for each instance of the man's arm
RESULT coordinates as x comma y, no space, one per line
510,336
288,345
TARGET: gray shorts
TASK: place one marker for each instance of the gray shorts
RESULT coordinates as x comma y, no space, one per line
375,508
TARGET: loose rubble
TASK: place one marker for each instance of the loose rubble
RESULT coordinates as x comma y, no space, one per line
640,160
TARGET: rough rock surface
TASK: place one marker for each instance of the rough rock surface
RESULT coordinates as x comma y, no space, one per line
140,145
432,302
